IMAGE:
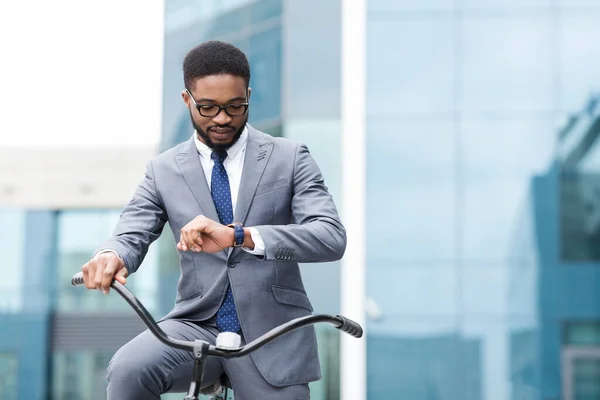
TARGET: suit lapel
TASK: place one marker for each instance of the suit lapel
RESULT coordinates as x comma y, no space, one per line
258,151
193,173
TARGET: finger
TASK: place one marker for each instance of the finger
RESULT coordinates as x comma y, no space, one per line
189,239
91,275
100,266
109,274
84,272
121,275
198,239
182,240
179,246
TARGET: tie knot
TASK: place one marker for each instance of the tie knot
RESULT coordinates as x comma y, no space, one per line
218,156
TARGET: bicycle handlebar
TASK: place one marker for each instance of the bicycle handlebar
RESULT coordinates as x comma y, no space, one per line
342,323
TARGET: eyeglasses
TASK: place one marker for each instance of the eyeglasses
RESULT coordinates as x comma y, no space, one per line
212,110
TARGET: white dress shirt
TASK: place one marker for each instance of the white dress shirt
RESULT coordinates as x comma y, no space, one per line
234,164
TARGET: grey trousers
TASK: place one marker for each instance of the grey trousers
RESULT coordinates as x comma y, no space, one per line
145,368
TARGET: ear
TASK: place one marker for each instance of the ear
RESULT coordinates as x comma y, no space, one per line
249,92
185,97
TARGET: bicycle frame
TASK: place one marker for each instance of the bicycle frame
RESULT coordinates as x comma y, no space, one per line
201,349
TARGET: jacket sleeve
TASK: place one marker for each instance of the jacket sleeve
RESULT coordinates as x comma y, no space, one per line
140,223
317,234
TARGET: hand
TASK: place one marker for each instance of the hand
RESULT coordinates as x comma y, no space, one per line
99,272
203,234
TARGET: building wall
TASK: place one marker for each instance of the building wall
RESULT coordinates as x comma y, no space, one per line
465,101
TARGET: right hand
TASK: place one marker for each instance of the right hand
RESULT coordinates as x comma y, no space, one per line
99,272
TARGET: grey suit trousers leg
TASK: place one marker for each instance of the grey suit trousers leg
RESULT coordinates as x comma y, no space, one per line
145,368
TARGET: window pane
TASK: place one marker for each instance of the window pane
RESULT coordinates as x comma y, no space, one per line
579,151
500,160
410,5
411,65
411,183
8,376
75,249
579,58
484,290
265,65
506,4
312,59
507,64
405,290
422,360
12,252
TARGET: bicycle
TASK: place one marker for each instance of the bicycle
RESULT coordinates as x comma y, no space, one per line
223,348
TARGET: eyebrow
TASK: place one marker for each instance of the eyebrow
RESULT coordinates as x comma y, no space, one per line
205,100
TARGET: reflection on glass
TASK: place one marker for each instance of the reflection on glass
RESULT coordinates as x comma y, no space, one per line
79,235
12,248
579,59
8,376
500,158
580,185
411,190
421,365
410,5
411,76
507,64
80,375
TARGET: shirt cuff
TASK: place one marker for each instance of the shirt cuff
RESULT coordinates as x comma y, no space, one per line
106,251
259,243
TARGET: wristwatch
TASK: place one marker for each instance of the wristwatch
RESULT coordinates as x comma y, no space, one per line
238,234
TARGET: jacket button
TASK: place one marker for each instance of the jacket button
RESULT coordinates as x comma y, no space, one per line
231,264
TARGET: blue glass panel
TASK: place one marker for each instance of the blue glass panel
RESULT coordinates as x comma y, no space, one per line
499,160
411,190
411,65
579,59
421,361
507,64
412,291
404,5
265,65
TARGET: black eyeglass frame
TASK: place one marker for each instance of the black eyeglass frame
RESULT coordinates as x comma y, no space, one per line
226,108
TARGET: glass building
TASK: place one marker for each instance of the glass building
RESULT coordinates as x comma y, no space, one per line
466,105
482,190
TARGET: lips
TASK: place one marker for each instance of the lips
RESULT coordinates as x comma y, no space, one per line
221,131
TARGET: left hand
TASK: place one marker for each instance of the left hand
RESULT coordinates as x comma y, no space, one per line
204,234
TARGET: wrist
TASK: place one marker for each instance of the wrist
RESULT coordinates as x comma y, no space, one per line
237,234
248,242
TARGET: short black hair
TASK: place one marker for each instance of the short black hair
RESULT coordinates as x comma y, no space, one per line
214,58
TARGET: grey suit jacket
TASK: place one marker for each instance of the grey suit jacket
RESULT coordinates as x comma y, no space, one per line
283,195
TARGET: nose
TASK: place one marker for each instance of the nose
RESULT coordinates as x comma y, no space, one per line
222,118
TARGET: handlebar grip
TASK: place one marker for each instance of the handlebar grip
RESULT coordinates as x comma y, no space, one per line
77,279
350,327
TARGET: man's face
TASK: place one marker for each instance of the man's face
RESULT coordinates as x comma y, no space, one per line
221,131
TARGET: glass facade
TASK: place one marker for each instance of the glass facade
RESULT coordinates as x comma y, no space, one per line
483,201
466,103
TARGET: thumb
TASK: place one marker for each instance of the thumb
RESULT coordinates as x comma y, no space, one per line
121,275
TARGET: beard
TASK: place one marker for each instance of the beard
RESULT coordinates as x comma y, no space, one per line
216,146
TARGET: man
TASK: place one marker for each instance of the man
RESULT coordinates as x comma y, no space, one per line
245,208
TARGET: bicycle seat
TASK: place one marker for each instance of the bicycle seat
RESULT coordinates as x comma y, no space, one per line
217,388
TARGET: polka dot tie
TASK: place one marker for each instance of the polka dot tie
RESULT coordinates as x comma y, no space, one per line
227,319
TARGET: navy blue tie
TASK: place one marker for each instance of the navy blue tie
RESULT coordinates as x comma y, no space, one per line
227,319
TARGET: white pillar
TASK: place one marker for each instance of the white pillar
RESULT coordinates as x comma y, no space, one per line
353,375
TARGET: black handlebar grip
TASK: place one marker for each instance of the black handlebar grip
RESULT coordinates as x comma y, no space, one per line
350,327
77,279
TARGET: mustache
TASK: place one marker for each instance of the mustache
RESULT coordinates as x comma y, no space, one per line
219,127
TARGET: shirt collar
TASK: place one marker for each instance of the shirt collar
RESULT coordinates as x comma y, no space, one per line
206,151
